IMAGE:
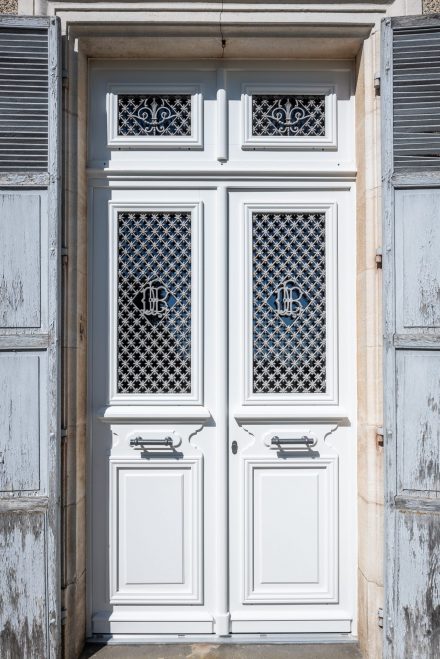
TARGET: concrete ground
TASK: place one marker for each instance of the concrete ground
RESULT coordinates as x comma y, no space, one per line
226,651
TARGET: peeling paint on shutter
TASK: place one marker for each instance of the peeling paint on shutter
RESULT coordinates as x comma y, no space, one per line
411,289
29,346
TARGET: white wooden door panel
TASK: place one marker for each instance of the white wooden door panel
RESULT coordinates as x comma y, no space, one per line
291,473
154,535
222,360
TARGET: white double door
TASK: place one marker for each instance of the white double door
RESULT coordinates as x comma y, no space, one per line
222,389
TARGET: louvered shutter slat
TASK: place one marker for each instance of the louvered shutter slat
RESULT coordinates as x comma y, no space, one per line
24,84
416,76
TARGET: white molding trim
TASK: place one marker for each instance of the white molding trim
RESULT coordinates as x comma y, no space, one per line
252,142
331,397
194,141
196,396
306,412
150,413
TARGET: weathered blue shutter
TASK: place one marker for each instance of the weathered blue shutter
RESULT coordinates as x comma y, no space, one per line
410,88
29,350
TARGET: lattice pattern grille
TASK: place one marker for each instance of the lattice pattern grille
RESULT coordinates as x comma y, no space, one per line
154,115
288,116
289,305
154,302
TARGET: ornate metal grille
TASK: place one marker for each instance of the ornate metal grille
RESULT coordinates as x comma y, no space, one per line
154,303
288,116
154,115
289,305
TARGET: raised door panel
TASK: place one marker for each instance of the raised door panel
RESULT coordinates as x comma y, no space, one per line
290,531
156,535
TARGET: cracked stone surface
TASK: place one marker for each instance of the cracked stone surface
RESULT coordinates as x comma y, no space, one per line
223,651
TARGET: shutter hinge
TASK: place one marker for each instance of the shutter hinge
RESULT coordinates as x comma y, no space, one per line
379,437
63,435
64,256
379,258
65,78
380,617
377,84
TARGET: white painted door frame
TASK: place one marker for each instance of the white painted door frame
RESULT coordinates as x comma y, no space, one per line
127,181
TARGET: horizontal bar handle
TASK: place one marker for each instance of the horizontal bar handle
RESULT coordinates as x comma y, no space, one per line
293,441
139,442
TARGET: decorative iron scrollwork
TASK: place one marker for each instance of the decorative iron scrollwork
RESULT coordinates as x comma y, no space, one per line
154,115
288,116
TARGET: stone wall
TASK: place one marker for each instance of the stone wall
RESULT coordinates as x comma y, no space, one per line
369,325
431,6
8,6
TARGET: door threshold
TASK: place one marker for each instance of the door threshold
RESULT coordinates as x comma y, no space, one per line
236,639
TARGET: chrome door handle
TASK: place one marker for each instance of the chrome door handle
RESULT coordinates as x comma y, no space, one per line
292,441
140,442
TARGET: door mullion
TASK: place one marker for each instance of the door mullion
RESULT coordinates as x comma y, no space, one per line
222,595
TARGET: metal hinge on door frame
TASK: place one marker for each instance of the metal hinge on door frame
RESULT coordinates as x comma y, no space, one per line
379,437
379,258
377,84
64,255
380,617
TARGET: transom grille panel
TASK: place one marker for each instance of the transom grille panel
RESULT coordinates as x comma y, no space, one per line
154,115
288,116
289,303
154,303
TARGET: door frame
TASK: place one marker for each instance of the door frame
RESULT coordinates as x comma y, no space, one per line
87,41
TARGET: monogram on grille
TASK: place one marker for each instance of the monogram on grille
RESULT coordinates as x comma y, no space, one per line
288,116
288,300
154,115
154,300
289,303
154,303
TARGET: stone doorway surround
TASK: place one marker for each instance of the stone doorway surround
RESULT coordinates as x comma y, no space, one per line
252,29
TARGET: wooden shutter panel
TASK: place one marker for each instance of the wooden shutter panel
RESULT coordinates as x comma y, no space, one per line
29,345
410,90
